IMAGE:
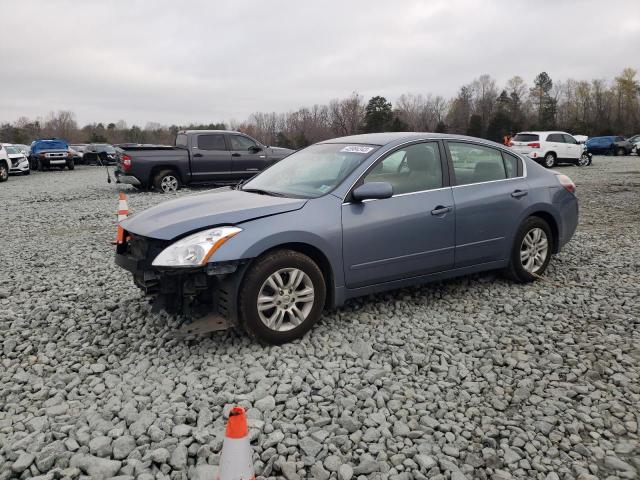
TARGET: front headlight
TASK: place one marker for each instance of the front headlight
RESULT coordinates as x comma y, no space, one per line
195,249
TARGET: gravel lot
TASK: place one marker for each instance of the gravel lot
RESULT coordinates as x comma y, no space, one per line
470,378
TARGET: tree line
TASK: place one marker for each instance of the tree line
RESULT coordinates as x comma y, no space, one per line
480,108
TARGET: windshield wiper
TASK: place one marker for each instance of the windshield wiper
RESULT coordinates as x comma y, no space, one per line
260,191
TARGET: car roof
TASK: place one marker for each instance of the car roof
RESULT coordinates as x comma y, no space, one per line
208,131
536,132
387,138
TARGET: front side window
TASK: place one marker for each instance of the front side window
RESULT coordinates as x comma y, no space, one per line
476,163
569,139
411,169
211,142
240,142
311,172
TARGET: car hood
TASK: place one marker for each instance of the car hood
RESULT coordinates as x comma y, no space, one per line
196,212
281,152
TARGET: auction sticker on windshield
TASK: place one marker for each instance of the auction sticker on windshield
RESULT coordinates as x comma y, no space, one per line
356,149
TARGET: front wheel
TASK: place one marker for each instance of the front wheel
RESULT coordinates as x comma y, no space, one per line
71,165
531,250
4,173
620,152
281,297
584,160
549,160
167,181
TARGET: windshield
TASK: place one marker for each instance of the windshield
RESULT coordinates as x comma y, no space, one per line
312,172
12,150
50,145
104,148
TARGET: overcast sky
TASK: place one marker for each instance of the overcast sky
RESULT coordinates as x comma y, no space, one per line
208,61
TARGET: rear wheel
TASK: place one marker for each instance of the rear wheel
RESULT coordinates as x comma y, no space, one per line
281,297
531,250
549,160
167,181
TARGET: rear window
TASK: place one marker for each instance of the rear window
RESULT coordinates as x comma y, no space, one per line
526,137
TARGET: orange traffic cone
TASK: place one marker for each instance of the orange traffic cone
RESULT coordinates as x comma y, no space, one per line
235,460
123,211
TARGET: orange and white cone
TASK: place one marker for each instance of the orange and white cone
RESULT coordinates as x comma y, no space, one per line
123,212
235,460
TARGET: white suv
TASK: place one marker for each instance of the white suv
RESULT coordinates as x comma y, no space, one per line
5,164
550,148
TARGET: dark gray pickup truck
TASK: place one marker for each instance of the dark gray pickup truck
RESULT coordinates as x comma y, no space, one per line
199,156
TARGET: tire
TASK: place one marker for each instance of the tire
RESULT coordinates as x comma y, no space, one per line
28,172
293,267
524,271
167,181
621,152
4,173
71,165
583,161
549,160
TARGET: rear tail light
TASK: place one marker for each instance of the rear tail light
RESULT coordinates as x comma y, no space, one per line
566,182
533,145
126,162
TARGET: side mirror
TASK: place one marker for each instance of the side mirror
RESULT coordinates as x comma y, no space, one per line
255,149
373,190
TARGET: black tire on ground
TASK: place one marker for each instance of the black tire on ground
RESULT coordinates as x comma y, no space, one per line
167,181
28,172
4,173
621,152
549,160
516,270
252,283
71,165
36,165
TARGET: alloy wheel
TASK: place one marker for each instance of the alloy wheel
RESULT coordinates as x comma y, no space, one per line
549,161
169,183
285,299
4,174
534,250
583,161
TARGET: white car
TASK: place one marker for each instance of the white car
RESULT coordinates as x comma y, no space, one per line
5,164
550,148
18,161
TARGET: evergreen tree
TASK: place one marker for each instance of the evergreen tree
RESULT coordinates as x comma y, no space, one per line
475,126
378,115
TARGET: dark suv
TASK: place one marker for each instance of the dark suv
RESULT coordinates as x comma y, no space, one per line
99,153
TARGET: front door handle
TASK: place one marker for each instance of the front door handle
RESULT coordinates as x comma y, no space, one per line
197,154
440,210
236,154
519,193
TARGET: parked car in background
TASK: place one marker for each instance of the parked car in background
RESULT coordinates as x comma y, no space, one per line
199,156
77,150
550,148
635,142
52,152
349,217
5,164
609,145
19,161
99,154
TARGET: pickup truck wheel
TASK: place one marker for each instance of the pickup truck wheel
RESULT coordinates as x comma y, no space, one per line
4,173
281,297
167,181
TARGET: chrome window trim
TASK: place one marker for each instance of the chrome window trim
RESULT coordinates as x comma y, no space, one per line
399,195
444,139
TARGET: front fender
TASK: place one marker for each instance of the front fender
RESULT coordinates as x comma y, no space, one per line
318,225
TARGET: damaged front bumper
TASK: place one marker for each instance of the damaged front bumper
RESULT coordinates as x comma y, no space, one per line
208,293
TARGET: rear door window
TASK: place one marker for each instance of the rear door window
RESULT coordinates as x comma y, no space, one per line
476,163
555,137
181,140
211,142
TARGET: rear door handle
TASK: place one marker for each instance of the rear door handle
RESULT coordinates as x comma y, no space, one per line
519,193
236,154
440,210
197,154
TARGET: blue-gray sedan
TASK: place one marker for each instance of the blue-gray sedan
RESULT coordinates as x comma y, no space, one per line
348,217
